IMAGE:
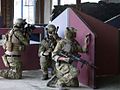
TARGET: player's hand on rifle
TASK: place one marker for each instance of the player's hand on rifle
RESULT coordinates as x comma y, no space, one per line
65,59
46,53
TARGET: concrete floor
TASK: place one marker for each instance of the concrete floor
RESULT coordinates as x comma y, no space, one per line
32,81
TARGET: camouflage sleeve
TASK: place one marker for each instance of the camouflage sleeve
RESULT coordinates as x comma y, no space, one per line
41,46
21,38
58,47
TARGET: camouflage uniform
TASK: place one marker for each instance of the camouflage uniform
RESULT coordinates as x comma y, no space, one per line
66,72
46,47
13,48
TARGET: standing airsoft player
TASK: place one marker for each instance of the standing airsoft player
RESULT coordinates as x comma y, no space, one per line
66,72
14,44
46,47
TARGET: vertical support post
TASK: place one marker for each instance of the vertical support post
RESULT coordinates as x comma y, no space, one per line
59,1
78,3
42,11
21,8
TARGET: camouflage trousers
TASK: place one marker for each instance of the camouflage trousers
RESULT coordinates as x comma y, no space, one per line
45,63
67,75
15,69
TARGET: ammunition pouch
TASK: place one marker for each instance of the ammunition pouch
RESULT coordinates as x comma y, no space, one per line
18,47
5,61
8,46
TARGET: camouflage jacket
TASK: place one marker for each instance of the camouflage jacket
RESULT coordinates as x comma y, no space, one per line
47,44
68,46
15,41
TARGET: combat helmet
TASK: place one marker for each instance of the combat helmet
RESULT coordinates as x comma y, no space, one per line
19,23
51,29
70,33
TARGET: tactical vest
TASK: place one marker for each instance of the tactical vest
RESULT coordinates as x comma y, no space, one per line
8,42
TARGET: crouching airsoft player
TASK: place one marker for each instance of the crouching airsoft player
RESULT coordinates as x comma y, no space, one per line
45,50
14,45
66,72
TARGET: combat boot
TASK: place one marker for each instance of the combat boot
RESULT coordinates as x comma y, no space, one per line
62,87
4,73
52,82
45,77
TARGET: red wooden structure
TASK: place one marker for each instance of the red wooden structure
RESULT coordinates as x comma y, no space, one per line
104,48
